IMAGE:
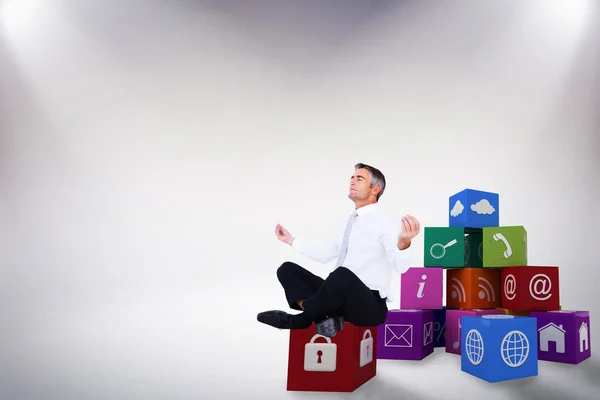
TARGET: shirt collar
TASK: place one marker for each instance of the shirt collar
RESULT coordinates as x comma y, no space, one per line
364,210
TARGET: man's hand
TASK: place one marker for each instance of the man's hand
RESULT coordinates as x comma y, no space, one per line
283,235
410,229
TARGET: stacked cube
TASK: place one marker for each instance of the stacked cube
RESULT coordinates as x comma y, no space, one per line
413,331
502,314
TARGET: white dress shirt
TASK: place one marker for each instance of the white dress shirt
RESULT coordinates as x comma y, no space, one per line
372,249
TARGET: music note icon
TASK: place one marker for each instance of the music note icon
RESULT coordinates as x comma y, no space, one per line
457,343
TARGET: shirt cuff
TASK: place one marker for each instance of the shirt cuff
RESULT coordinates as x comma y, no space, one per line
297,244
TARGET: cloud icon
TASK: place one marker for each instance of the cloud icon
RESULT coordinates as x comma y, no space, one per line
457,209
483,207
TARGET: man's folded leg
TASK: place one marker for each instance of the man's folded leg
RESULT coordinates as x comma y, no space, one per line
332,294
330,300
323,307
298,284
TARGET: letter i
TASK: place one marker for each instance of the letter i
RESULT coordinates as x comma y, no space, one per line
420,293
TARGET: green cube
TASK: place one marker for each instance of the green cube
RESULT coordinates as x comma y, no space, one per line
504,246
453,247
473,248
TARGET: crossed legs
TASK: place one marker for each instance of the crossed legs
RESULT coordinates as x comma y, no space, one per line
326,302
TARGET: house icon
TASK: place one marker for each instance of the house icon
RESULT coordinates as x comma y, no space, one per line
552,333
583,337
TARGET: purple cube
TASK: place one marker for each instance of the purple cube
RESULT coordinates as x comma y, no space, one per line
454,325
406,335
563,336
422,288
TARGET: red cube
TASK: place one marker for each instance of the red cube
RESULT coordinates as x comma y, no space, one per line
530,288
342,363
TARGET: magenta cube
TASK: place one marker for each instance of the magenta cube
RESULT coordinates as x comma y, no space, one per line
454,328
422,289
406,335
563,336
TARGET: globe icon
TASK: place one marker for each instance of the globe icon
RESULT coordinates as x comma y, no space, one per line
515,348
474,346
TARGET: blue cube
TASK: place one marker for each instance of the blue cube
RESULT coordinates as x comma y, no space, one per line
499,347
473,209
439,327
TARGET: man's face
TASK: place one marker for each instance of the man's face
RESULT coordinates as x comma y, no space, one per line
360,185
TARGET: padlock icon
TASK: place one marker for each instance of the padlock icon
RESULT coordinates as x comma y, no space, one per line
320,356
366,348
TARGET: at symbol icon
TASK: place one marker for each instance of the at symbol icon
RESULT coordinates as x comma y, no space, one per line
540,286
510,287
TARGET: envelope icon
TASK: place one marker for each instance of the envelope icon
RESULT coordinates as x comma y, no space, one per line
428,333
398,335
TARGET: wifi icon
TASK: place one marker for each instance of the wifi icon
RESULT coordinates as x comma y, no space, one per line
487,290
458,290
471,288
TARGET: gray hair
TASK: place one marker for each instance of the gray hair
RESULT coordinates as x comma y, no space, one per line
376,176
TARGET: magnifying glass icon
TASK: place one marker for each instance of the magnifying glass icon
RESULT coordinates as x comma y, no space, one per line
441,249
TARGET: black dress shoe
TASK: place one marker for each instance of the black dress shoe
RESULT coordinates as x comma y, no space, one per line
330,326
276,319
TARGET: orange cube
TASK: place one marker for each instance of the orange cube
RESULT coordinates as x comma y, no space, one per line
473,288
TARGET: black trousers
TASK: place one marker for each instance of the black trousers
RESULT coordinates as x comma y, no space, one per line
342,293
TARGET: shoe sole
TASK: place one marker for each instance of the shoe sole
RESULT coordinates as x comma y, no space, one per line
330,326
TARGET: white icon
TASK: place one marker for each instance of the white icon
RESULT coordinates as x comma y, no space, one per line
510,287
584,337
457,209
487,290
458,290
420,293
474,346
497,316
398,335
442,247
483,206
480,251
552,333
427,333
441,332
320,356
456,344
514,349
498,236
366,348
536,291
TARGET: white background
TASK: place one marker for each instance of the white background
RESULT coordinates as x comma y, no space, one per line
147,151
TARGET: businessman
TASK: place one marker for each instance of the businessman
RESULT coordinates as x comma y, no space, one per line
369,244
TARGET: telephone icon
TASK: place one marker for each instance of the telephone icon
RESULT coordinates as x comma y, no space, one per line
498,236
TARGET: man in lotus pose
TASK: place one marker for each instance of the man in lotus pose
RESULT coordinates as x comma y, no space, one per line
358,288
